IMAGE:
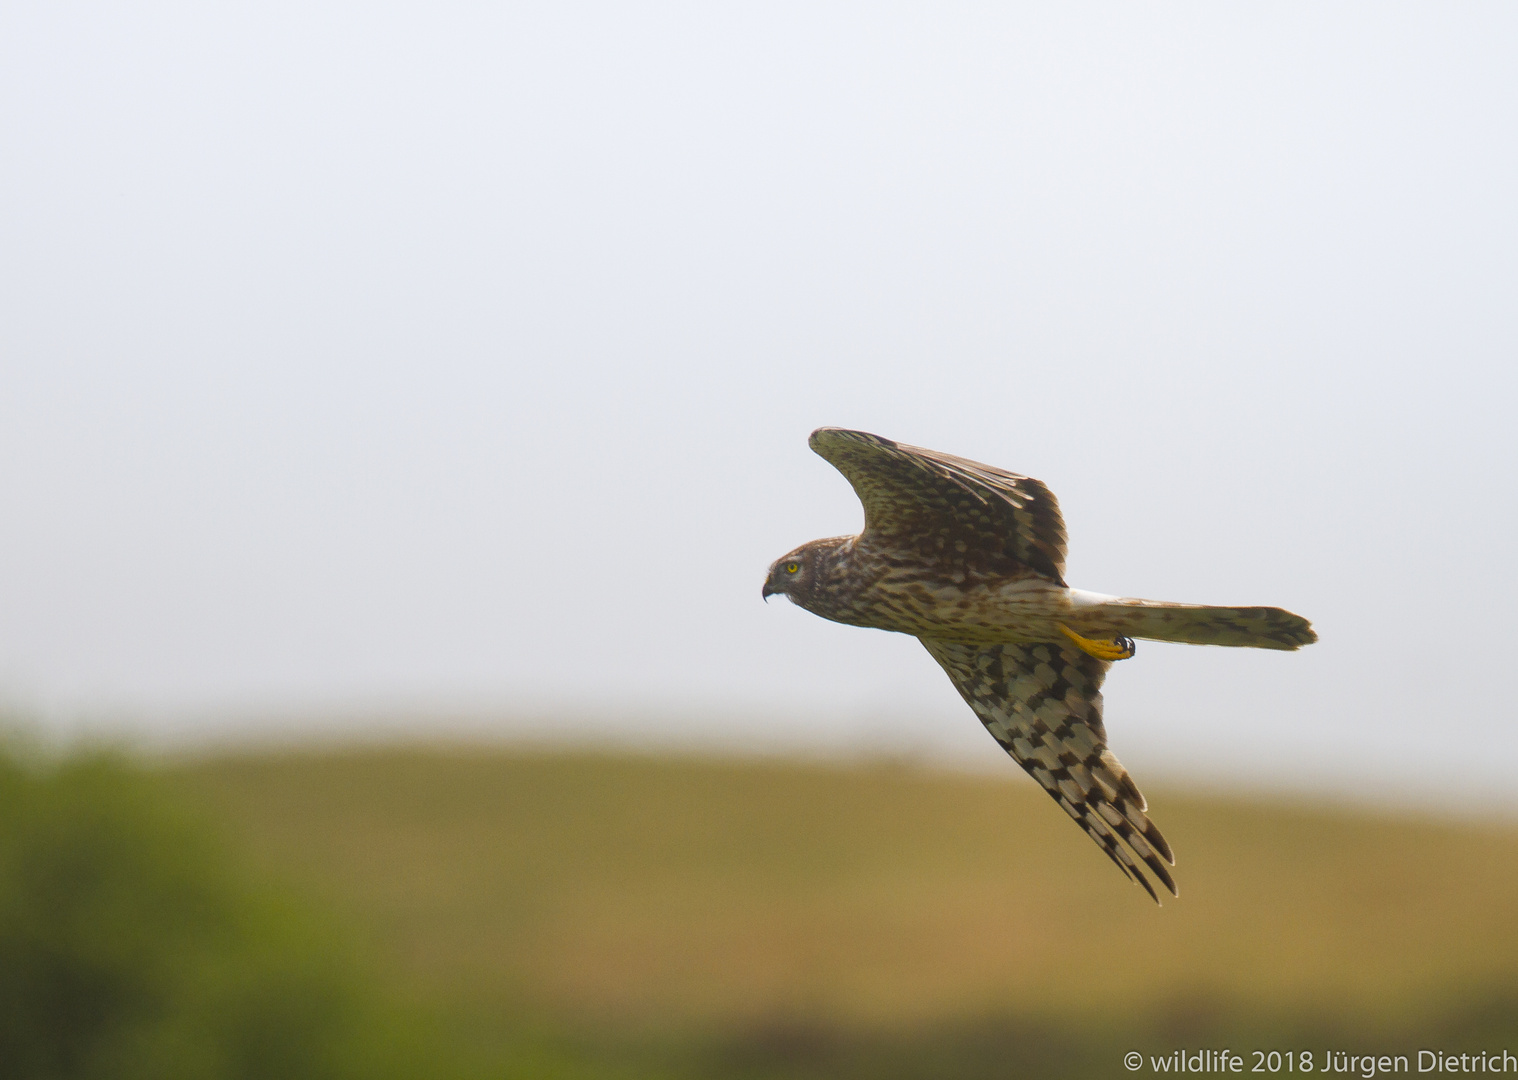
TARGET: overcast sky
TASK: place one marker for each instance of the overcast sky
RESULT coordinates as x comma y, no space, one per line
444,359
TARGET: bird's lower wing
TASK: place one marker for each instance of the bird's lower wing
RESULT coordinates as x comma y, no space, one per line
1043,703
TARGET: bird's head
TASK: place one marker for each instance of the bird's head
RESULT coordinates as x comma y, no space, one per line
799,574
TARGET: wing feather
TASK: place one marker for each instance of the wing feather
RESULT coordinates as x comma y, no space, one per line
948,510
1043,704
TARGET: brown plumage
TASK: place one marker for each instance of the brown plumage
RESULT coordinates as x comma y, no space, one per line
970,559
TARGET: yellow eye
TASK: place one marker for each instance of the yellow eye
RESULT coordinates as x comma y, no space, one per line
791,568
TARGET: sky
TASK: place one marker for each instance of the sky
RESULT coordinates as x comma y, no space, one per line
370,368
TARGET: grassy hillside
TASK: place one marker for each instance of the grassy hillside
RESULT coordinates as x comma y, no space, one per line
794,913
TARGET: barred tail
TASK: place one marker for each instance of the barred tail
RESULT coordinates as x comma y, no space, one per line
1198,624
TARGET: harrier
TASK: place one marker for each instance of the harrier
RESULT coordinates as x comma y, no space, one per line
970,560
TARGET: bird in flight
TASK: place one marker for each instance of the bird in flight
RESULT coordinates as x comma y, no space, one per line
970,560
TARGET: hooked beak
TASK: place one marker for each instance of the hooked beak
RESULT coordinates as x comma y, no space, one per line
768,592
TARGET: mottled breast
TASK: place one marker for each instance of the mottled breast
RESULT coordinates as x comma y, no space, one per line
886,591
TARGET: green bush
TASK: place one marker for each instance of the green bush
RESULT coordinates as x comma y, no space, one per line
131,946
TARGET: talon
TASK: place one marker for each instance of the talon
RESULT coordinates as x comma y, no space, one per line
1117,649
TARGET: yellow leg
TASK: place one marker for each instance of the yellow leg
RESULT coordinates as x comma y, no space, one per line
1119,649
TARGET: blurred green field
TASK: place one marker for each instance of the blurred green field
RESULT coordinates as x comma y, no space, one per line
684,896
513,913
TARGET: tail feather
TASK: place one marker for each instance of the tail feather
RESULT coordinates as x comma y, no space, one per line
1198,624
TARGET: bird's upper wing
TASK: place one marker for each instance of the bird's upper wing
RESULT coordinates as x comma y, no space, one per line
1043,703
946,509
